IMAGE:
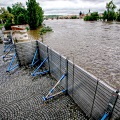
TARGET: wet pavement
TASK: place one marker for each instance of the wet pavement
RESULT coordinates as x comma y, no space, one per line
21,97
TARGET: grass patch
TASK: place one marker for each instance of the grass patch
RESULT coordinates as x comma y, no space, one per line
45,29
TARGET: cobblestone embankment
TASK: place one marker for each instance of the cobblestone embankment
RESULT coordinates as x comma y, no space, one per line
21,97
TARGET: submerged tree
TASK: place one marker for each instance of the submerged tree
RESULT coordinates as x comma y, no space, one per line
110,14
35,14
110,6
118,15
93,17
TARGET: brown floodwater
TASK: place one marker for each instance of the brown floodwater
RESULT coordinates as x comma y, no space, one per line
95,46
34,34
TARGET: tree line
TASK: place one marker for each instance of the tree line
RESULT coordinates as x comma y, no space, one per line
108,15
18,14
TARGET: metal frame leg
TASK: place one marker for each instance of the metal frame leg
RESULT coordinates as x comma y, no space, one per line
105,116
35,73
7,47
34,61
10,65
48,96
5,56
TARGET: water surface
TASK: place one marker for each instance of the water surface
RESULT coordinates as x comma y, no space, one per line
95,46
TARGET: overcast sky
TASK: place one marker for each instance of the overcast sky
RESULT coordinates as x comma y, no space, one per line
64,7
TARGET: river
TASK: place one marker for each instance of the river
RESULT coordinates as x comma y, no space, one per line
95,46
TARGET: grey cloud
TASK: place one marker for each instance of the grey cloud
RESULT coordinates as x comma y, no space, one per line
94,1
2,4
73,9
75,1
91,1
62,12
70,11
5,3
117,3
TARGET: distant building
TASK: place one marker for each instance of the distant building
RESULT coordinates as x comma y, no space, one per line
89,13
82,16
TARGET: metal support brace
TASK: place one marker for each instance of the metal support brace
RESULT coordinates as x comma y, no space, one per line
105,116
5,56
11,63
7,47
111,105
48,96
36,70
35,60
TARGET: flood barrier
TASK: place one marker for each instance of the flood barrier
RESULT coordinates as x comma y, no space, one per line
91,95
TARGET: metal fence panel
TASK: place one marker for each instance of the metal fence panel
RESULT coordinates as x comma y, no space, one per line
102,98
42,50
54,62
84,89
63,70
70,78
116,112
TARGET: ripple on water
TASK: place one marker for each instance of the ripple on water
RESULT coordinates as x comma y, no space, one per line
89,43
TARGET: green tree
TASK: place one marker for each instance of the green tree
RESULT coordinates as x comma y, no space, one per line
35,14
105,15
93,17
110,6
4,15
40,14
18,9
110,14
21,19
118,15
8,24
9,9
74,17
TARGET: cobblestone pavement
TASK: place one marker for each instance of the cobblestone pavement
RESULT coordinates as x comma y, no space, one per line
21,97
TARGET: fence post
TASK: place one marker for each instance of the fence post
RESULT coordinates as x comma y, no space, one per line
66,76
73,78
17,56
60,66
94,99
48,59
114,109
37,47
